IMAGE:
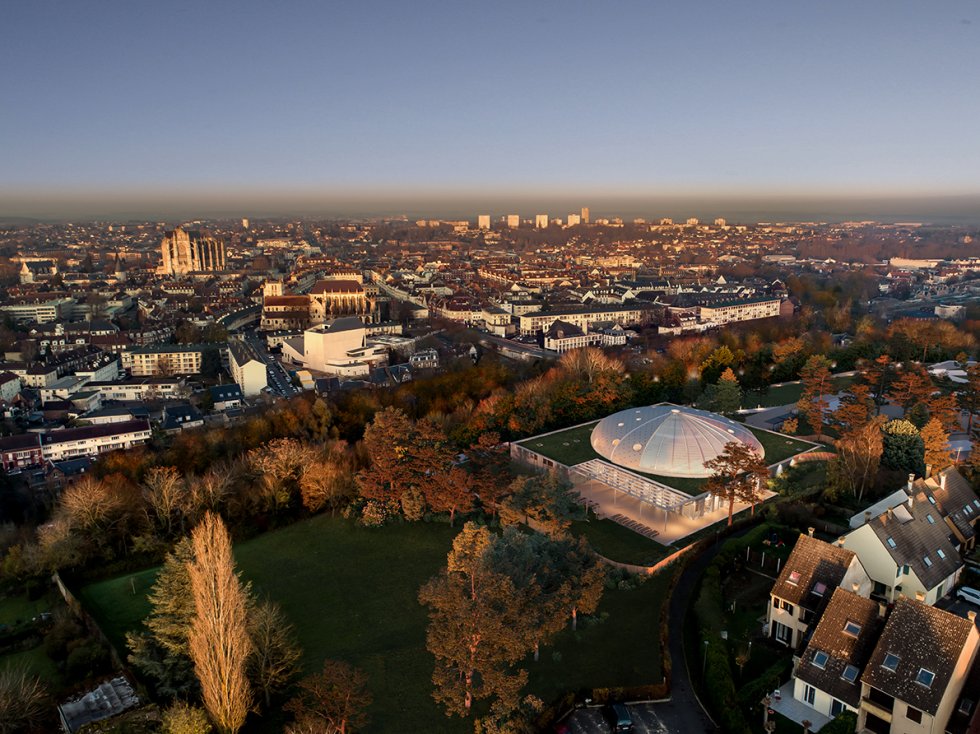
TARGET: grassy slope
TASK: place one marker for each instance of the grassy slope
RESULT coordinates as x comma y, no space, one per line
786,394
619,543
352,594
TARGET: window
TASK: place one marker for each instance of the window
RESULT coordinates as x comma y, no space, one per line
820,659
810,694
852,628
775,602
891,542
966,707
939,552
913,714
927,560
906,569
820,588
930,518
794,577
836,707
925,677
890,662
932,500
850,674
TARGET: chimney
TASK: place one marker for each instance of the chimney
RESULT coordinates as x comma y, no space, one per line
840,541
972,616
889,513
855,586
809,531
942,480
882,610
911,500
920,596
911,480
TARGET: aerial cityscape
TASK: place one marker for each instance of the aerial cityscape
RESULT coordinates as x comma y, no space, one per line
499,369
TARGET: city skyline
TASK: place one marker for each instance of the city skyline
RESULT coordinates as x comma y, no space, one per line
363,104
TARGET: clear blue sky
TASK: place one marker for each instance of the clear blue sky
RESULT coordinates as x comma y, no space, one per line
616,96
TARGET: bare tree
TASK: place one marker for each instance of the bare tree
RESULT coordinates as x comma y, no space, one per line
165,492
333,701
24,703
219,642
275,655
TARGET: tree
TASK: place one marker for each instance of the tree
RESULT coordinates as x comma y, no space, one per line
166,497
325,482
490,461
450,490
542,501
24,702
737,475
725,396
912,386
279,465
903,449
163,652
183,718
476,630
332,701
856,407
944,408
935,440
859,451
970,395
817,384
219,642
275,653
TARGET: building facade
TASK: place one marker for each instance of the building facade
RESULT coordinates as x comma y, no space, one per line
190,251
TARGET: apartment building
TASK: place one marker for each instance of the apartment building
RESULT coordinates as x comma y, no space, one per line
25,310
167,359
70,443
739,310
140,389
583,317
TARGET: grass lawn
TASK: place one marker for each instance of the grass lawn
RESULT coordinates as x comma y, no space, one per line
786,394
14,609
621,544
569,447
35,661
352,592
778,446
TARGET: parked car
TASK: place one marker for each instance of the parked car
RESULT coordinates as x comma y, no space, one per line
969,595
619,717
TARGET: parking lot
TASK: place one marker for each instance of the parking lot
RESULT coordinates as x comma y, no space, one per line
591,721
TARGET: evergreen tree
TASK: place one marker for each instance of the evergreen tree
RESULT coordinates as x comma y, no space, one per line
903,448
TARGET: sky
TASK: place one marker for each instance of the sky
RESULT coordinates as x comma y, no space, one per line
130,103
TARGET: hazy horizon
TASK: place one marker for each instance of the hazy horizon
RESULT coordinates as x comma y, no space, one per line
962,209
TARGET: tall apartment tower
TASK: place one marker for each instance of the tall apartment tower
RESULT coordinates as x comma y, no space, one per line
483,221
188,251
574,219
540,221
585,215
513,221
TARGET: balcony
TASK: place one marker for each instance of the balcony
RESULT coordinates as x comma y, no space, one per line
873,707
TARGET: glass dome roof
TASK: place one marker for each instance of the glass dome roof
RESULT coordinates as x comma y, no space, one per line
670,440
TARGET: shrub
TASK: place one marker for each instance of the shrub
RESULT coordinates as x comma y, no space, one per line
86,660
845,723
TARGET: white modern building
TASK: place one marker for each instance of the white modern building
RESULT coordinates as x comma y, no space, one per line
339,347
248,370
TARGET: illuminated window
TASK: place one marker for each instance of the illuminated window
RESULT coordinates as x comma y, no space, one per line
794,577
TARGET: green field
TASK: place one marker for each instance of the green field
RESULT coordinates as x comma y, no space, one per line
618,543
352,592
778,446
786,394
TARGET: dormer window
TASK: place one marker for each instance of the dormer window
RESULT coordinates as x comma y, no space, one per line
932,500
820,588
939,552
891,542
850,674
852,628
930,518
890,662
820,659
794,577
927,560
925,677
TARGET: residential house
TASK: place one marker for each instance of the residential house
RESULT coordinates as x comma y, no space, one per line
907,549
180,417
226,396
828,675
913,680
20,452
805,584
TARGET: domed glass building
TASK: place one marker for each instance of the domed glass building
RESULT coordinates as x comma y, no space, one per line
668,440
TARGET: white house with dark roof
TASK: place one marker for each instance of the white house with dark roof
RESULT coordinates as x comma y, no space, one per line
907,550
913,681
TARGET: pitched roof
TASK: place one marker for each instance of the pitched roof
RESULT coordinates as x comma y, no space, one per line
844,651
811,564
919,637
966,714
337,286
913,532
951,494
